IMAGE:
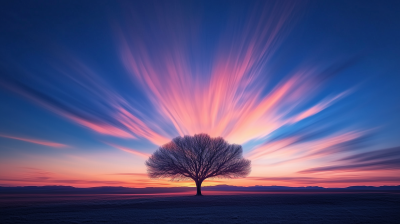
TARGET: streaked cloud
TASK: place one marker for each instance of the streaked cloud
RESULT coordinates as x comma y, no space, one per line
383,159
129,150
131,174
35,141
318,181
169,74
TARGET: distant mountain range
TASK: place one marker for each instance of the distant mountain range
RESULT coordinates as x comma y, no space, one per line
153,190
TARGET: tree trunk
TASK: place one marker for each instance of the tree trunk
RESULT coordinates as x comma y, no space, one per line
198,186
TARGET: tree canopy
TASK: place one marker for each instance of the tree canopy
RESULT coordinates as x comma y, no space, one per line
198,157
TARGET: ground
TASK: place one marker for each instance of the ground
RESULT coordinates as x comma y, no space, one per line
211,208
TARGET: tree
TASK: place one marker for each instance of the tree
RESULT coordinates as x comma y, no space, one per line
198,157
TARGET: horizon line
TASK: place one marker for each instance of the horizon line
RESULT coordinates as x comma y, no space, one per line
221,185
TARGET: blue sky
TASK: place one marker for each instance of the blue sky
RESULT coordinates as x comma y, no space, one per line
90,89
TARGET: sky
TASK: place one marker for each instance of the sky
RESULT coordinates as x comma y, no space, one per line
90,89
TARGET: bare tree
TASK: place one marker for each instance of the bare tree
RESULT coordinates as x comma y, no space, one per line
198,157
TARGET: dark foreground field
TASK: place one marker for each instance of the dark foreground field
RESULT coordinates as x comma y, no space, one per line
212,208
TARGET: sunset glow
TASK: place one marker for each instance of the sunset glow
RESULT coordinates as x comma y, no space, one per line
85,103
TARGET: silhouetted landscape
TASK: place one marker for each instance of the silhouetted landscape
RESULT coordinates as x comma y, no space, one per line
221,204
154,190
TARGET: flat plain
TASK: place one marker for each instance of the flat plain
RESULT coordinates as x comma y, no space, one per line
213,207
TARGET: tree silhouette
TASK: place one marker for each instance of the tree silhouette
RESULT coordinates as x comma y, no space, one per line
198,157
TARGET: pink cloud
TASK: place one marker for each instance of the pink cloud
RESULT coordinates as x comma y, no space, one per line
129,150
35,141
318,107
